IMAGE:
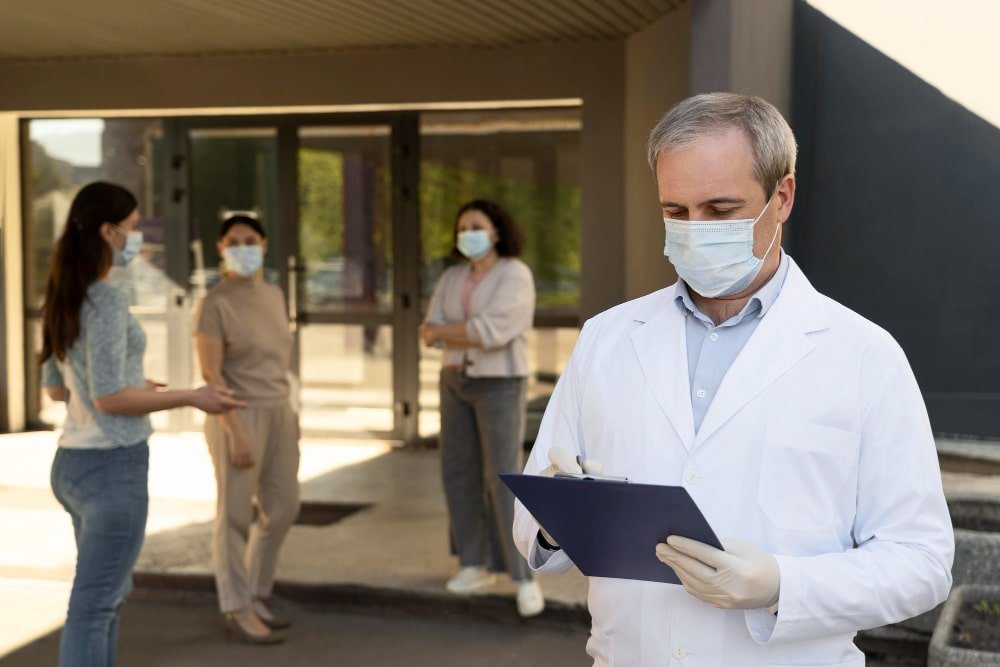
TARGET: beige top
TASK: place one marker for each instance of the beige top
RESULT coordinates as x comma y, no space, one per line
501,312
249,317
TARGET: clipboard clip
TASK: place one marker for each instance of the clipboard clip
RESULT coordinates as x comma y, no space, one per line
584,475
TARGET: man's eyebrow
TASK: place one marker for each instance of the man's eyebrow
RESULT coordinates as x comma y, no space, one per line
709,202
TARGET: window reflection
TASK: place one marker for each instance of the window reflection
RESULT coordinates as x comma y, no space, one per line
63,155
529,162
345,219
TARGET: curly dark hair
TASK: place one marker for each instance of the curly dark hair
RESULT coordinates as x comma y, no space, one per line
510,240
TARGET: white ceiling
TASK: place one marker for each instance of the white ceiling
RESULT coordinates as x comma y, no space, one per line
43,29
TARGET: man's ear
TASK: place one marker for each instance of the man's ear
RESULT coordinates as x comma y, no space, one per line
786,197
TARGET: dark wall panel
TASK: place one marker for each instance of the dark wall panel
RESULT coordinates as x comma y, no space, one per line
898,214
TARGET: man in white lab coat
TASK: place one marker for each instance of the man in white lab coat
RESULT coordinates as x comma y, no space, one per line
795,424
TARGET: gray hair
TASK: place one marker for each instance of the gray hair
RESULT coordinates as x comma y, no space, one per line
771,139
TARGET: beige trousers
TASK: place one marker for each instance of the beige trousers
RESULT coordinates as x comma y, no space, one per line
245,549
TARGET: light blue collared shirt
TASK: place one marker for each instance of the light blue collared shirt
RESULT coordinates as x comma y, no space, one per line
713,349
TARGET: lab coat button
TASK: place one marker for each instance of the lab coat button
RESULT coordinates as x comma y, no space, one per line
700,393
679,652
691,477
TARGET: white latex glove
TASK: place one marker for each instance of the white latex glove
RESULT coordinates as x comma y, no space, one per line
561,460
741,577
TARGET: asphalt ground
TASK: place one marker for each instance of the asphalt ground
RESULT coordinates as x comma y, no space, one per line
167,633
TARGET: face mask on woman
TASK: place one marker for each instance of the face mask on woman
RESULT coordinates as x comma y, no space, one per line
474,243
244,260
133,244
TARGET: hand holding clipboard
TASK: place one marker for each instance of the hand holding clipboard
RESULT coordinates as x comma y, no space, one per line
611,528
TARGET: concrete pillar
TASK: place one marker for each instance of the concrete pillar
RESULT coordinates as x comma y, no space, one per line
12,347
657,77
743,47
602,147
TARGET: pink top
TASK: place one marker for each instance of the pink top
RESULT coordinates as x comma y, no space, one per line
475,277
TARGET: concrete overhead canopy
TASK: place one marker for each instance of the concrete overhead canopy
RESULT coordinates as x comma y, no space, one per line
69,29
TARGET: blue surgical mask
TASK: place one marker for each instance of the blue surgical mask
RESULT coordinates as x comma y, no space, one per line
715,257
244,260
474,243
133,244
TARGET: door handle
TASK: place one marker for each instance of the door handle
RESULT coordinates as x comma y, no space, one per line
293,292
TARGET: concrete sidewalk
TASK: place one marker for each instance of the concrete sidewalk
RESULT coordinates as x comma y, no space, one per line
163,633
398,542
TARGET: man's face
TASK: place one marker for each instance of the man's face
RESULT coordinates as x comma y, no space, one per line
712,179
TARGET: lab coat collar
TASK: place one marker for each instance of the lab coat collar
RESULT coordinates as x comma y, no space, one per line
660,343
779,342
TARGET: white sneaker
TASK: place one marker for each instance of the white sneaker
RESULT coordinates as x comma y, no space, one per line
470,579
529,599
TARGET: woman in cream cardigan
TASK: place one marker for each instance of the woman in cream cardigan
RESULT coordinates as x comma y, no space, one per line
480,314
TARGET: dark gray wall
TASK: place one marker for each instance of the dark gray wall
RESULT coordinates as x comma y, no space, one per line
897,214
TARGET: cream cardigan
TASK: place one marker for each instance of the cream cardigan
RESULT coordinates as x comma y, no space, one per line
501,311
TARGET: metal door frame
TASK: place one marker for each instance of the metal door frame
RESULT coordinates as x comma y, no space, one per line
404,318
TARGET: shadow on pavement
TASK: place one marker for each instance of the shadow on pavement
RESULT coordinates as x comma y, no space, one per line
165,632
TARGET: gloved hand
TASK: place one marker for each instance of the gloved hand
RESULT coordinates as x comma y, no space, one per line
741,577
561,460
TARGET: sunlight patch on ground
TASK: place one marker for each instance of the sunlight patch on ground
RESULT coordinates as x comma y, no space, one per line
36,536
320,457
30,609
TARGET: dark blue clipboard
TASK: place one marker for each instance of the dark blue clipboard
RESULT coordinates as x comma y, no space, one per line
611,529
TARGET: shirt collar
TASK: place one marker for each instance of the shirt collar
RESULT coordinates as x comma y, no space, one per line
759,303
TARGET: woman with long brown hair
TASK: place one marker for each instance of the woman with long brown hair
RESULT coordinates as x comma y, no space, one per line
92,356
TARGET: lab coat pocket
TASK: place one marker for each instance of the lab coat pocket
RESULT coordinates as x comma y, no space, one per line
803,468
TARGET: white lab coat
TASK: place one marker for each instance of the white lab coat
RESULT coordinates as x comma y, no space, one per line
817,441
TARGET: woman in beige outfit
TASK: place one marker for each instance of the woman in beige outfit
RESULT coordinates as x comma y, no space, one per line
244,343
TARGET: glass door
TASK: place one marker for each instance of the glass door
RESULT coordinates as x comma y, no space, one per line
331,192
342,293
528,160
229,169
61,155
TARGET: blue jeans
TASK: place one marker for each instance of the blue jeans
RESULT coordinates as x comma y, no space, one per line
105,492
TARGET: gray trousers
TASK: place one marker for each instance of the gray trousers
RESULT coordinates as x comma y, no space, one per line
482,431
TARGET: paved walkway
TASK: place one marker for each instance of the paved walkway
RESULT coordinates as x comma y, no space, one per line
170,634
399,541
